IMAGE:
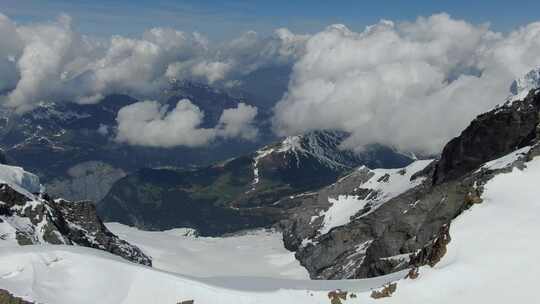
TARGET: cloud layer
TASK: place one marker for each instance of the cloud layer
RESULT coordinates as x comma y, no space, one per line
412,86
148,123
51,61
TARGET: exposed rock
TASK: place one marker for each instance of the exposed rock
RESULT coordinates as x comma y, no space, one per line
336,296
413,273
411,229
351,250
84,227
489,136
8,298
433,252
37,219
386,291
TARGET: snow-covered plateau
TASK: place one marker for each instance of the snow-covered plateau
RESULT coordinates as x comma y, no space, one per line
485,263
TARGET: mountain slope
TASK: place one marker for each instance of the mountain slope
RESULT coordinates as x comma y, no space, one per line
484,263
241,193
521,87
410,229
27,218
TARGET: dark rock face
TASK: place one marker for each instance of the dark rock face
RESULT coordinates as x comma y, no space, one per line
242,193
8,298
434,251
86,228
61,222
489,136
411,229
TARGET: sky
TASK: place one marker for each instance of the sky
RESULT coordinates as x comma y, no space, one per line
222,20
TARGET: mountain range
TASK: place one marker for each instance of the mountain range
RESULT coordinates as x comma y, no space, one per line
444,230
239,193
84,160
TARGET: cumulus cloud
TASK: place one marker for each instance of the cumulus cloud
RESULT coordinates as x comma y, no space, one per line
412,86
134,66
207,71
148,123
45,49
52,62
250,51
238,122
241,56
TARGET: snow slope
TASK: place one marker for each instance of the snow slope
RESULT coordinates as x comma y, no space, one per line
507,160
493,255
492,258
258,253
62,275
384,183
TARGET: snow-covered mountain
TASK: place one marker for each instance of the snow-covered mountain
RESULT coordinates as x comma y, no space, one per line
459,229
374,222
30,217
241,193
521,87
490,259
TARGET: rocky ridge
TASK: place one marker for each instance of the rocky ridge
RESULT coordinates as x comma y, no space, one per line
8,298
411,228
34,218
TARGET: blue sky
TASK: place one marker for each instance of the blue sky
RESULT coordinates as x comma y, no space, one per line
225,19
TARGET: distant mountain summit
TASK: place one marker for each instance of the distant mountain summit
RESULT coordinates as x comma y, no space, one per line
521,87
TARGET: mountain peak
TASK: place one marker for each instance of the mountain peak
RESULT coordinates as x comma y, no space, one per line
521,87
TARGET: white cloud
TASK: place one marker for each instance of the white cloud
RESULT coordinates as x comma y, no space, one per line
148,123
136,66
205,71
51,61
238,122
412,86
241,56
250,52
46,48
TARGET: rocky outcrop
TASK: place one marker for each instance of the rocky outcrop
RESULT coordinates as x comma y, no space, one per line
8,298
411,228
37,219
489,136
